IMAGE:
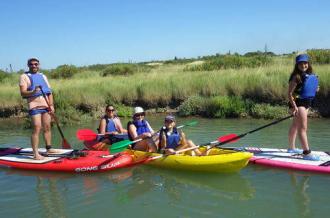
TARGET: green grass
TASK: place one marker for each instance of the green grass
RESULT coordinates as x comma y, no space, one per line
248,91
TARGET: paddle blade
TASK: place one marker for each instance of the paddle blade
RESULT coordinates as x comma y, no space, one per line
230,138
86,134
65,144
120,146
117,150
193,123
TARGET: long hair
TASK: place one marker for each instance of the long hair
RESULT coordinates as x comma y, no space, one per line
296,73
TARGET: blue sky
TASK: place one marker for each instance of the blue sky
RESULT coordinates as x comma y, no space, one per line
85,32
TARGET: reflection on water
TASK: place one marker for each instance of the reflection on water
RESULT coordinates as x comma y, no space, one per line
300,187
143,191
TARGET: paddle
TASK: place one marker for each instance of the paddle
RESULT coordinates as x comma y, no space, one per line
65,143
234,137
122,145
230,138
88,134
219,140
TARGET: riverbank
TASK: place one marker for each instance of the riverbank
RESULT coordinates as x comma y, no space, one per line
257,92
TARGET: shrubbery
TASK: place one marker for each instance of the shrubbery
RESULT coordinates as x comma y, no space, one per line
319,56
3,75
119,69
268,111
229,107
232,62
64,72
124,69
224,106
192,106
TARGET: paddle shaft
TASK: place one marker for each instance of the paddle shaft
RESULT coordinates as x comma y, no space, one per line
229,140
55,118
221,143
252,131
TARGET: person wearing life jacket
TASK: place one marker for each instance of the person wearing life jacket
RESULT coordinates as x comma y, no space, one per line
171,140
139,128
111,130
303,86
30,83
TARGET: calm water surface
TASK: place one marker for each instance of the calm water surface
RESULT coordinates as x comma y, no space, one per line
143,191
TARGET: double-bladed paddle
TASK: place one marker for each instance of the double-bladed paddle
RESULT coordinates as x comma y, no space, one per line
233,137
230,138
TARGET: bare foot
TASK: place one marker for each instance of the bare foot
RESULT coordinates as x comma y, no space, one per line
51,150
38,157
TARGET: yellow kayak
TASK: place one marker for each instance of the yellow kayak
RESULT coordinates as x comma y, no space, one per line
217,160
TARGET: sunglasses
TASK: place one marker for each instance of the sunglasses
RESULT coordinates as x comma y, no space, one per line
110,110
169,121
35,64
139,115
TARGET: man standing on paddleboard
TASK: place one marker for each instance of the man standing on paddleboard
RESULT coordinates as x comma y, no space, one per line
30,83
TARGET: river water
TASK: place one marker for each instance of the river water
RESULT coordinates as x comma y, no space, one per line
144,191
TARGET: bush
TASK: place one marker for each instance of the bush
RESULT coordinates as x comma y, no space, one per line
3,75
119,69
225,106
268,112
231,62
192,106
64,72
319,56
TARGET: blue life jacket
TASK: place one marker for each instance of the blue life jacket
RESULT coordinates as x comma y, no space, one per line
37,79
111,126
172,139
309,86
141,126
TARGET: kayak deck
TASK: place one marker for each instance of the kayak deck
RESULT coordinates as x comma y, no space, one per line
216,160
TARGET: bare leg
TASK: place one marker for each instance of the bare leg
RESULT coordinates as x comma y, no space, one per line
141,146
293,133
46,124
36,124
197,151
302,127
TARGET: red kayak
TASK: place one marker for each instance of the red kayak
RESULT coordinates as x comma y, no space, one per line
64,160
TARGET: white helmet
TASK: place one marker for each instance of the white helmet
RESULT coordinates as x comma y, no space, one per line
138,110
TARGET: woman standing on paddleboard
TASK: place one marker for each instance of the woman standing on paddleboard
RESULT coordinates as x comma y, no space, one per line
303,85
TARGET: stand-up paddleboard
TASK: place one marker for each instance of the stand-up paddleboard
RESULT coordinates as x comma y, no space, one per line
280,158
64,160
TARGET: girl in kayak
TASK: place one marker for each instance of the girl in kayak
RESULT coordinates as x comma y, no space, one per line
171,139
140,128
303,85
110,128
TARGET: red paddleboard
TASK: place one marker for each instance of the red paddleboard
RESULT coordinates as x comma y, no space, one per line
64,160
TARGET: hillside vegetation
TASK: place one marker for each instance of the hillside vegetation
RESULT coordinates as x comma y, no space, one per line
251,85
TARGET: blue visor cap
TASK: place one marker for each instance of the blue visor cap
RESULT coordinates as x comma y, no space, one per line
302,58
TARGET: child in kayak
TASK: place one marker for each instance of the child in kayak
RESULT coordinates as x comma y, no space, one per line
303,85
171,140
140,128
